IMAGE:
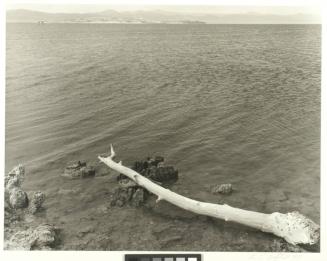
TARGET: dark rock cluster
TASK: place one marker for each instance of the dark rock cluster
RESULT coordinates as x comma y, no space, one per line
134,196
78,169
151,168
154,169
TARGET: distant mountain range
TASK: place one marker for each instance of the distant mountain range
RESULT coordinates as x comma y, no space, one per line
157,16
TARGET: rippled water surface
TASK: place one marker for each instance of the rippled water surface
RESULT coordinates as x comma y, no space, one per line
233,104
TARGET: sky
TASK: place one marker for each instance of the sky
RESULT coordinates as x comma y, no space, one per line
189,6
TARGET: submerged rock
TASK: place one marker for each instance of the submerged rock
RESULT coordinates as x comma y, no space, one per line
121,196
36,202
127,183
138,197
43,237
162,174
222,189
78,169
135,196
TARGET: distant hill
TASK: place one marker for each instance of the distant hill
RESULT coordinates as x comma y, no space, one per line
156,16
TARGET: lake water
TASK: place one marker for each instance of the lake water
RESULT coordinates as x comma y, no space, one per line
233,104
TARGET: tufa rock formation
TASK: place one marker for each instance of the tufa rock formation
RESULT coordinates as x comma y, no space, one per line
43,237
36,202
17,236
152,168
222,189
78,169
14,195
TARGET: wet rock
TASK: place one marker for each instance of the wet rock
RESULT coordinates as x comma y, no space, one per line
280,245
151,168
162,174
15,201
158,159
14,195
19,241
15,198
11,215
127,183
138,197
43,237
36,202
222,189
78,169
15,177
118,203
38,199
154,169
18,198
121,196
101,172
100,169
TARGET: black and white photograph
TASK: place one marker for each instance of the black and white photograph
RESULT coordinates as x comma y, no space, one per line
162,127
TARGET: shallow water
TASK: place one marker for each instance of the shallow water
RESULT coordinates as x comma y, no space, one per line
233,104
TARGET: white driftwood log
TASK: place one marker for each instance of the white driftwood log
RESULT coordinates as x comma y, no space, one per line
293,227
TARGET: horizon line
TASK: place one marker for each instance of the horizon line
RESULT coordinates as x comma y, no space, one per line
119,11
